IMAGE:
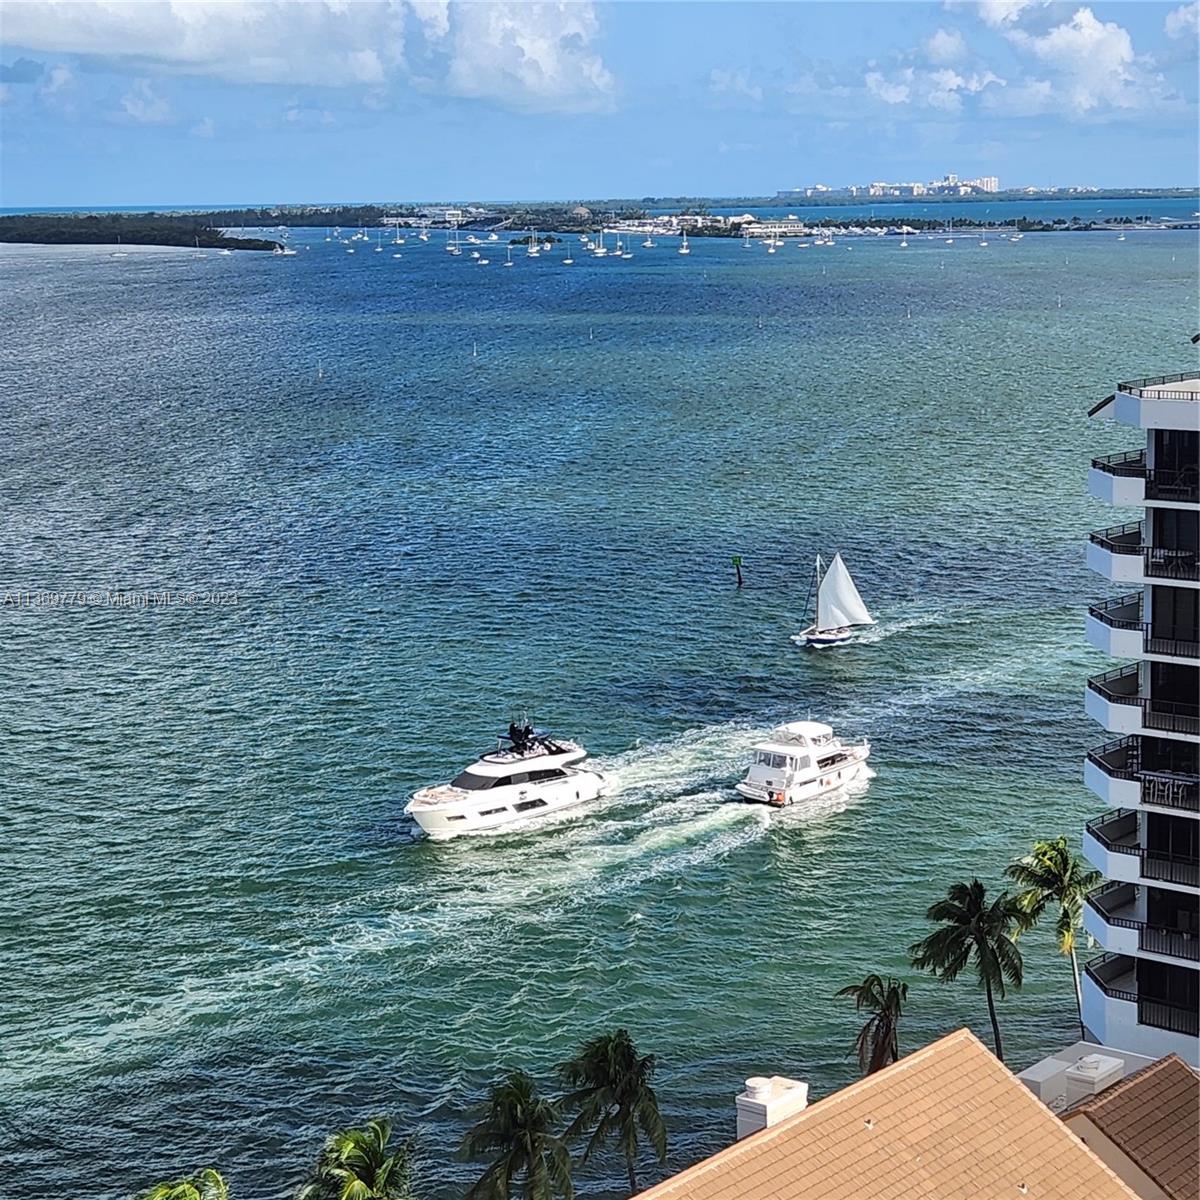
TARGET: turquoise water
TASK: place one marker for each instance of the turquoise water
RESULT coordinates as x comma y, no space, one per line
438,491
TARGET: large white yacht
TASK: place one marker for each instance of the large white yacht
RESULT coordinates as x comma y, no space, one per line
528,775
801,761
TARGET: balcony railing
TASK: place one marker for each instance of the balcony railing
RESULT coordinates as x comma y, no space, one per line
1161,563
1117,832
1158,562
1151,389
1172,646
1119,539
1172,1017
1179,487
1116,905
1171,716
1129,464
1118,759
1122,612
1174,943
1113,975
1121,686
1118,686
1121,759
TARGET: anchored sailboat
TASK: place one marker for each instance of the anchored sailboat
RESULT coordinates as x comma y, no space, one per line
839,607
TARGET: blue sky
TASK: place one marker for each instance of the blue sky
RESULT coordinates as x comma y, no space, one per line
206,102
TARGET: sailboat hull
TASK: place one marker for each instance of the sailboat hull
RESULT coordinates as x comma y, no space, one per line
822,640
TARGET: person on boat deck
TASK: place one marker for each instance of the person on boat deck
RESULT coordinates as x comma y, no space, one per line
516,736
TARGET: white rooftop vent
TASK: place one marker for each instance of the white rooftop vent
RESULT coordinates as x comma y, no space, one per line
1091,1074
766,1102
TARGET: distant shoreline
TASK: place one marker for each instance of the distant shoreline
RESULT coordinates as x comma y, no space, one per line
221,229
779,200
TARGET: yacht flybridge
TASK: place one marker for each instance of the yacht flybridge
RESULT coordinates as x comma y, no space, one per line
839,607
528,775
801,761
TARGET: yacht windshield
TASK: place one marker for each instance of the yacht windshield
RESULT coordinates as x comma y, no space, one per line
473,783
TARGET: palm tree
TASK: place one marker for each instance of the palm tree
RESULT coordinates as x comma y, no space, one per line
877,1043
360,1164
973,929
1051,874
204,1185
518,1128
613,1098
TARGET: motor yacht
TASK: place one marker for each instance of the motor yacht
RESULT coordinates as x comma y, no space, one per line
801,761
528,776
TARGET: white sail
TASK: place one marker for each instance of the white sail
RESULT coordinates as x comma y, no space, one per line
838,601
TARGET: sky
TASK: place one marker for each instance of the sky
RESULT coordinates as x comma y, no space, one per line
113,102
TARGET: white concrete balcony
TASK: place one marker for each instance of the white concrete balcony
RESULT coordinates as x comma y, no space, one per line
1114,772
1112,844
1115,1014
1163,402
1115,700
1115,627
1119,479
1120,555
1110,915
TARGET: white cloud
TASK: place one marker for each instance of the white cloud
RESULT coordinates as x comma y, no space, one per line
943,88
143,105
1030,98
946,46
253,41
206,127
1001,14
529,55
890,92
1183,21
734,82
60,77
526,55
1096,63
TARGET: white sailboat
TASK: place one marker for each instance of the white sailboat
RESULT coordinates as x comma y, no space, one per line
839,607
684,248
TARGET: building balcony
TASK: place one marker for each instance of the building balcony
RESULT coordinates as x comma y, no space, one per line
1114,772
1119,554
1162,402
1115,1014
1119,479
1126,481
1112,844
1115,627
1115,701
1110,915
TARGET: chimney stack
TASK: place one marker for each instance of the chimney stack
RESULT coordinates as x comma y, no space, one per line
766,1102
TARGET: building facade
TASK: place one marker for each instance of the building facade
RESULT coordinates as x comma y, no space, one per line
1143,993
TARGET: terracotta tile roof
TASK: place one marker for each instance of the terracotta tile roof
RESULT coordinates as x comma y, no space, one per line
1153,1116
949,1122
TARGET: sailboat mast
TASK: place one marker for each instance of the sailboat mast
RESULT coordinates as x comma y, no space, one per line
814,584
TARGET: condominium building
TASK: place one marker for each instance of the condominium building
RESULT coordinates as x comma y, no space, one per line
1143,993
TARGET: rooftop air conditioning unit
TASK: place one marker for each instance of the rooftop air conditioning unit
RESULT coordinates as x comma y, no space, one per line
1091,1075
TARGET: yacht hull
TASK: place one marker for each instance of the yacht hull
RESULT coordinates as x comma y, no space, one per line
446,813
833,778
